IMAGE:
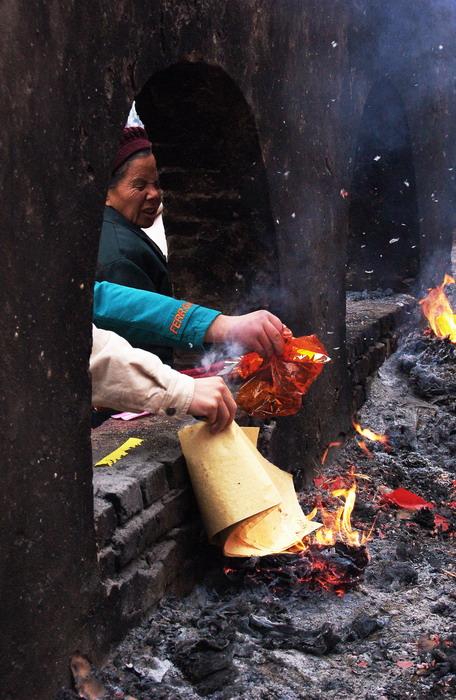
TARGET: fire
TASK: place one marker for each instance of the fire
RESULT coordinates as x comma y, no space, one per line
370,435
337,524
438,311
332,558
331,444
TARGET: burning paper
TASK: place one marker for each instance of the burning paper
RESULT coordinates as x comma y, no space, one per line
248,505
275,386
438,311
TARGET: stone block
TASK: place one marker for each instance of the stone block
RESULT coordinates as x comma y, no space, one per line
359,396
361,369
151,476
376,354
388,322
176,472
151,525
107,562
159,519
140,588
122,491
105,521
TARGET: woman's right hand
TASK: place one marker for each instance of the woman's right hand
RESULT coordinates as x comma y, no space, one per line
213,401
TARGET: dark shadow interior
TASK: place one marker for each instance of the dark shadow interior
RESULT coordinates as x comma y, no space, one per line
383,240
220,234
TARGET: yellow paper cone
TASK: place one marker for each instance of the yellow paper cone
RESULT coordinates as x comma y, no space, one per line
248,505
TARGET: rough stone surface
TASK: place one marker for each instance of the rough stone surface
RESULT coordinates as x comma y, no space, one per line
123,492
105,520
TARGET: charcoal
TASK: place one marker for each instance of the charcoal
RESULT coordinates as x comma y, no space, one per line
263,624
402,437
363,626
405,551
205,657
401,572
443,608
316,642
424,517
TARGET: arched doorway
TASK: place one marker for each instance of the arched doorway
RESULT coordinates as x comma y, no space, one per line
220,234
383,213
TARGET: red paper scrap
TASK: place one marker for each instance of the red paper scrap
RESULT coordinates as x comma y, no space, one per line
441,523
331,484
404,664
405,499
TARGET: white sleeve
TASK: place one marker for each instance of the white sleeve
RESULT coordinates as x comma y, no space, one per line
129,379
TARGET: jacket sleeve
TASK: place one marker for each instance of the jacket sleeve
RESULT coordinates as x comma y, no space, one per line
129,379
149,318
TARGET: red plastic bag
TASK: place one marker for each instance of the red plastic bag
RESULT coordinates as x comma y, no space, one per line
275,385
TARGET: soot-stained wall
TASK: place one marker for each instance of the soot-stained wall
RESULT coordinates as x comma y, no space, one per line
69,70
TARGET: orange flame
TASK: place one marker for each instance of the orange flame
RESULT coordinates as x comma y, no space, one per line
370,435
331,444
438,311
336,524
364,447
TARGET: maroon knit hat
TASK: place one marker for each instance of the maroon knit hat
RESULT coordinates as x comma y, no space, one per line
132,139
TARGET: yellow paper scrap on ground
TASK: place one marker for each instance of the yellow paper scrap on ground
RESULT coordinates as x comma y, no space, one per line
248,505
120,452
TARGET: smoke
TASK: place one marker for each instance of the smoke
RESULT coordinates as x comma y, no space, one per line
405,53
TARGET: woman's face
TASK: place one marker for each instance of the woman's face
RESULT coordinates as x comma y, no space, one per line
137,196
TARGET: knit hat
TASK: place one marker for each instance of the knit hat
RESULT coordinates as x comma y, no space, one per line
132,139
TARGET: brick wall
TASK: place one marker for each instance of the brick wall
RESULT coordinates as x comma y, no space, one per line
371,338
148,532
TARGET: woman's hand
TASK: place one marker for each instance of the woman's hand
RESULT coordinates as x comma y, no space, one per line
259,331
214,401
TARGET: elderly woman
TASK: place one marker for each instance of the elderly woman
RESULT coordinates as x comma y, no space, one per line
128,257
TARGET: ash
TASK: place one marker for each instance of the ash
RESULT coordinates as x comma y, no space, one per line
391,636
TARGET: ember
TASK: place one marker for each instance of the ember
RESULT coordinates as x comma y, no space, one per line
334,569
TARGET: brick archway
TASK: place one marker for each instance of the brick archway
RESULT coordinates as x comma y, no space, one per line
221,240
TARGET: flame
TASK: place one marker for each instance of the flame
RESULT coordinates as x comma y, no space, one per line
331,558
370,435
364,447
336,524
331,444
438,311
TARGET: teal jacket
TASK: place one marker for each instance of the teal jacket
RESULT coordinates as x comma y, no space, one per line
148,318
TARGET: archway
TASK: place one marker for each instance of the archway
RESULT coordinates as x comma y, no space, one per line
220,234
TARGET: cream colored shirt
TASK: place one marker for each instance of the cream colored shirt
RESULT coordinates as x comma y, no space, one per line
129,379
